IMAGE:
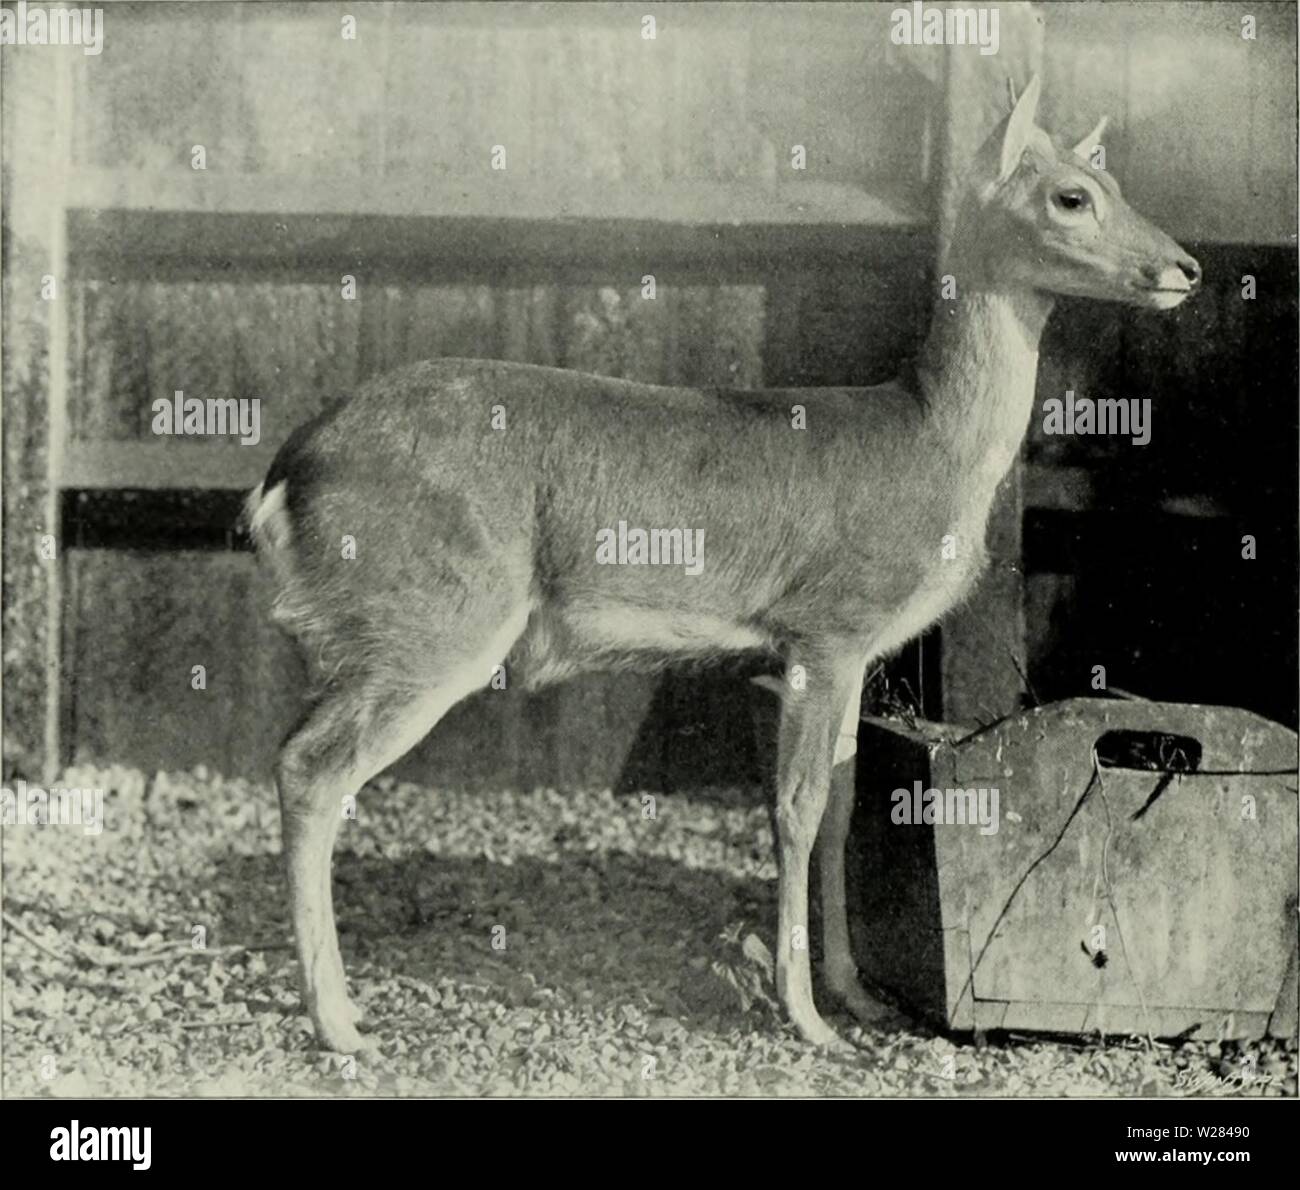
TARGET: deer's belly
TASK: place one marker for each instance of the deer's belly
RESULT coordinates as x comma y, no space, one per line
596,636
618,628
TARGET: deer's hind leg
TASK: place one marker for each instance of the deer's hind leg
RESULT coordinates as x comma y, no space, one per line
358,727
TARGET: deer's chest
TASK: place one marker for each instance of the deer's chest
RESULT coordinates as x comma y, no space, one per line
923,607
942,578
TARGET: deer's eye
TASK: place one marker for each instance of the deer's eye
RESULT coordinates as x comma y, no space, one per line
1072,200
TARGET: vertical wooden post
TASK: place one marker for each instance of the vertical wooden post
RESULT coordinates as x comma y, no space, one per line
57,191
983,642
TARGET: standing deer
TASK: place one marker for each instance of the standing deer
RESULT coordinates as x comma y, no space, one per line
478,492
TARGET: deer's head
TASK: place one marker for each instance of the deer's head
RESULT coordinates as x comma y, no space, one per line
1041,217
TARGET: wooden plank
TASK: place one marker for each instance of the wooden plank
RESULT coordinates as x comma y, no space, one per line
136,702
206,247
297,94
126,225
55,184
162,464
420,91
688,203
27,114
292,346
162,87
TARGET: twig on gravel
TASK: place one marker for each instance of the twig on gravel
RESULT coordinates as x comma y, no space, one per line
166,951
18,928
141,1026
207,1024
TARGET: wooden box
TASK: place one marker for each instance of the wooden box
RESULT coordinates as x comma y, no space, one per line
1131,868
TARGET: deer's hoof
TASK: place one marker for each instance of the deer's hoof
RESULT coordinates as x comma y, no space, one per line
817,1032
336,1029
868,1011
344,1039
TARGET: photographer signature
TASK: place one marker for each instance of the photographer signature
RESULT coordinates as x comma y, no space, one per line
1240,1080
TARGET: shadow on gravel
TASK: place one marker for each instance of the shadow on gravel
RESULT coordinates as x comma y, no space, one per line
597,930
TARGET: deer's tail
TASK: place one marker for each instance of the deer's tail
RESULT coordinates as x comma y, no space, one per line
266,518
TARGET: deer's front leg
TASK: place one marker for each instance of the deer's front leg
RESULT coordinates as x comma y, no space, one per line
839,967
816,688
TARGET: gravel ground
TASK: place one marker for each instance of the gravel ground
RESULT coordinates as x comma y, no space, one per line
503,943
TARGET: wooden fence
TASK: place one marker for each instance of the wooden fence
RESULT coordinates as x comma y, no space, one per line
371,159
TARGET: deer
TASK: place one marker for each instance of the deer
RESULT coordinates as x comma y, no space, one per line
477,491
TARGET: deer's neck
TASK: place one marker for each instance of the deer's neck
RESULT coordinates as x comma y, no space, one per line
977,371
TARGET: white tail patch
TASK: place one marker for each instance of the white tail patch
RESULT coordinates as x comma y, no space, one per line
268,520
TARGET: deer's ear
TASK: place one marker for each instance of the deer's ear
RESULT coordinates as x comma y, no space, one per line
1020,126
1092,140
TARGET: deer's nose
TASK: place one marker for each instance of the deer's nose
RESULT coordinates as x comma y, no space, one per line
1191,270
1162,274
